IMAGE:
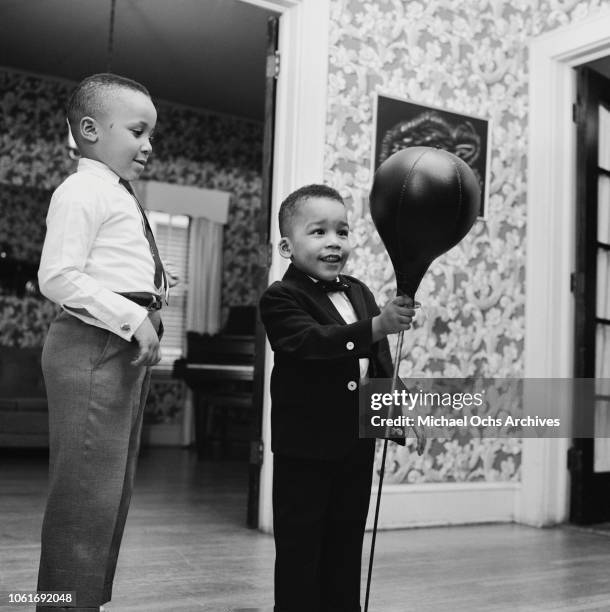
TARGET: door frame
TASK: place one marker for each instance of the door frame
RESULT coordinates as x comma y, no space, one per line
300,131
588,488
551,214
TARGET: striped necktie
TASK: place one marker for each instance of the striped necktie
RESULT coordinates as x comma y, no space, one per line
160,279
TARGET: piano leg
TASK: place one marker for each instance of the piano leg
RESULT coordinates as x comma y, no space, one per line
216,442
201,423
225,444
214,431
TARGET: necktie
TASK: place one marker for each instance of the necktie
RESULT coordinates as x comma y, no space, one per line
160,278
330,286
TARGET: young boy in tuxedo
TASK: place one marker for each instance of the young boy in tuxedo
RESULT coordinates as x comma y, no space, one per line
328,336
101,265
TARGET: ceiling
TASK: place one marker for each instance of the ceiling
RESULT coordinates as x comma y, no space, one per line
208,54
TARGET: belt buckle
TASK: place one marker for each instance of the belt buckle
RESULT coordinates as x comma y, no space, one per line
155,303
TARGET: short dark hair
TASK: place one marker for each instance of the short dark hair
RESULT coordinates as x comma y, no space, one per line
291,204
92,93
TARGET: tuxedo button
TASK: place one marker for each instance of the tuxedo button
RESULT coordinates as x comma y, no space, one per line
125,327
351,385
349,346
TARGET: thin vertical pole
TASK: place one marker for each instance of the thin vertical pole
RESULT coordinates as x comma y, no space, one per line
381,475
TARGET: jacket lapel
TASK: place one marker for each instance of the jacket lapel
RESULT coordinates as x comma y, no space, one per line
356,297
314,292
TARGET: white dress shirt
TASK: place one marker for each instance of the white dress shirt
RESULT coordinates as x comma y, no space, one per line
345,308
95,248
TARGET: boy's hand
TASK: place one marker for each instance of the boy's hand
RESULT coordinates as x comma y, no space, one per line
420,434
146,337
172,275
395,316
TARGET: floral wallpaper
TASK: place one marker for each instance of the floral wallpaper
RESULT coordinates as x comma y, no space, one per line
23,211
24,320
470,57
165,401
191,148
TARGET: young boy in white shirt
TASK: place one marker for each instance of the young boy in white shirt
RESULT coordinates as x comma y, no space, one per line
101,265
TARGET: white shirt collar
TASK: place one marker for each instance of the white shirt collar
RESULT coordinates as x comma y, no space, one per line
97,167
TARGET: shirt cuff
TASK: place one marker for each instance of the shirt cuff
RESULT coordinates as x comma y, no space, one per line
128,324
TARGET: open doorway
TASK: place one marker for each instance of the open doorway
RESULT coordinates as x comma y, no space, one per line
206,65
590,457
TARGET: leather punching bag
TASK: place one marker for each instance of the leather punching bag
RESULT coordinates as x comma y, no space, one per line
423,202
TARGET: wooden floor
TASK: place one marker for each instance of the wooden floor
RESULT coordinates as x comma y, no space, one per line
186,549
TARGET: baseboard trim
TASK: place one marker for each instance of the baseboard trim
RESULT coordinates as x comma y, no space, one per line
436,504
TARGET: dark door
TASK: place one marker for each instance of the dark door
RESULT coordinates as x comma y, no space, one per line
589,458
262,271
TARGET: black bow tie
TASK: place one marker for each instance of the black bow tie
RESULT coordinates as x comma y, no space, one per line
330,286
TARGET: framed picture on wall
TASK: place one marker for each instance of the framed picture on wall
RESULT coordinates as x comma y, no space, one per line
400,123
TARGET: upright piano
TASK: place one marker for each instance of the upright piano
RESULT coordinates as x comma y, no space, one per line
219,369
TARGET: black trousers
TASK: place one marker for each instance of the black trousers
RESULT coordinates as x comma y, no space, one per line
319,516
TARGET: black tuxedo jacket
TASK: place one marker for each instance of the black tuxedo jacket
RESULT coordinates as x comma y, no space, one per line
316,373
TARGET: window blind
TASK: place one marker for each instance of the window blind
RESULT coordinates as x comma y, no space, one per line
172,236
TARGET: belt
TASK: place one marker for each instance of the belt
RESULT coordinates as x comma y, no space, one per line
150,301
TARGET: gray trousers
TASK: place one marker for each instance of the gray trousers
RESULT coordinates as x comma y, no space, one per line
96,403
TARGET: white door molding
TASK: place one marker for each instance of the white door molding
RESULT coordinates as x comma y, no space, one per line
298,156
549,311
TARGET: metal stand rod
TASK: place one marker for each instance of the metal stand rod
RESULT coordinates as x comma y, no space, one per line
381,475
